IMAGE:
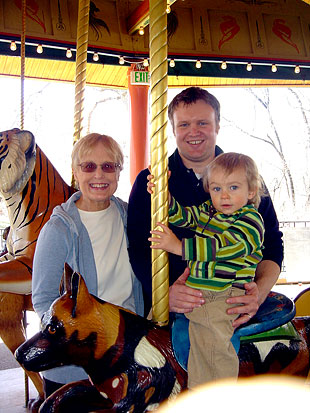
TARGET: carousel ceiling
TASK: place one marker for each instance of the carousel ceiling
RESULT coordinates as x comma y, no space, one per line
236,42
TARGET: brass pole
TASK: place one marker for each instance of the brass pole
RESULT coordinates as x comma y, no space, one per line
22,117
80,68
159,154
22,66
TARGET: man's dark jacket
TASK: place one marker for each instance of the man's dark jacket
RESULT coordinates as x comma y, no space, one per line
187,190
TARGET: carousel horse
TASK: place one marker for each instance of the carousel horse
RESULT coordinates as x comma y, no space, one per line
132,363
30,187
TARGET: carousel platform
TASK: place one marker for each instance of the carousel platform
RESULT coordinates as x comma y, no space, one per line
12,384
12,377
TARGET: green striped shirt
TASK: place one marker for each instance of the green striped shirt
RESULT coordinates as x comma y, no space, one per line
225,249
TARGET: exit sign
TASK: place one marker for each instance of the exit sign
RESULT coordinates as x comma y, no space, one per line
140,78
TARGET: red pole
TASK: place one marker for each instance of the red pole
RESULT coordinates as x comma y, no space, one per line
139,137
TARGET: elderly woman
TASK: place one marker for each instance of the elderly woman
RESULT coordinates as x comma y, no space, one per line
89,233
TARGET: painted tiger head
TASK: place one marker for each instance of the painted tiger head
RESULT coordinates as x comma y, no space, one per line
17,160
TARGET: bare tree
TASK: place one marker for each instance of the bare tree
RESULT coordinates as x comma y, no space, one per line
305,117
272,136
117,95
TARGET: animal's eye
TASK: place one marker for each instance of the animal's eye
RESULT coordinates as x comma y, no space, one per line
51,329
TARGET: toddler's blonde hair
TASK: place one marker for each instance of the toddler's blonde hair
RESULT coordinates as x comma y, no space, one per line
231,161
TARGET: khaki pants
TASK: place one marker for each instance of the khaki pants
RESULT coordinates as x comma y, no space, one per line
212,355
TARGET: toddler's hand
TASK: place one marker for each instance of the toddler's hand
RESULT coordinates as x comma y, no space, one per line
166,240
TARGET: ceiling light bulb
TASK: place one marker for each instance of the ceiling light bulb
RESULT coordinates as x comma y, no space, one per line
68,53
198,64
95,57
297,69
121,60
249,67
145,62
39,48
274,68
224,65
13,46
141,31
172,63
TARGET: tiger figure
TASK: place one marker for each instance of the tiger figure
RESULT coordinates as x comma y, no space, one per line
30,187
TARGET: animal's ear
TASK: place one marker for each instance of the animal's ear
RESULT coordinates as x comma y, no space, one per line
65,283
80,295
26,141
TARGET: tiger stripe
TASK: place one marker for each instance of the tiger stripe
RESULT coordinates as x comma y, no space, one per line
30,200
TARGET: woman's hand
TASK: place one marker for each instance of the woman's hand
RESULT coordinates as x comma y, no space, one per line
166,240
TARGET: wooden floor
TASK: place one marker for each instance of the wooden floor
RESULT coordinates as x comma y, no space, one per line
12,391
12,384
12,377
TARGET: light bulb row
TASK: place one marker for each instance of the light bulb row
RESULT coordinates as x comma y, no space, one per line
145,62
224,65
249,67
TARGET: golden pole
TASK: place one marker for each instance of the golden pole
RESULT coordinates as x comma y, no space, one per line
159,154
22,66
80,68
22,118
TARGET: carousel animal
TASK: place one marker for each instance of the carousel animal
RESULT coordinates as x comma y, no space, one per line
30,187
130,360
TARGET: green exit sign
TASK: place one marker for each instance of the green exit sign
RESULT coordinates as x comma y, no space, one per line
140,78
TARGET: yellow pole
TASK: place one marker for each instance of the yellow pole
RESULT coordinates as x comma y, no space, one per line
22,65
22,124
159,154
81,63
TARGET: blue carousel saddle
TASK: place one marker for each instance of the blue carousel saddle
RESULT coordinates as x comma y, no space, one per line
272,321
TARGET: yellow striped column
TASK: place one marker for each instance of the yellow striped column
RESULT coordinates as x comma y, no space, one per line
159,155
81,63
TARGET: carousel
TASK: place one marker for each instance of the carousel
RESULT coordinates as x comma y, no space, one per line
146,47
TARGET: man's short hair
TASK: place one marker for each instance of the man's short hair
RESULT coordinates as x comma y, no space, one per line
191,95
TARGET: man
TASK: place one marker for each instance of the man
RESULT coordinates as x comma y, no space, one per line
195,117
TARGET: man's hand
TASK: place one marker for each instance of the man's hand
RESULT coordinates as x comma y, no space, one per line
267,273
247,304
183,299
150,183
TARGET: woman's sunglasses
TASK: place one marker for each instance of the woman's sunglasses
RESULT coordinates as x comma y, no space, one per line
108,167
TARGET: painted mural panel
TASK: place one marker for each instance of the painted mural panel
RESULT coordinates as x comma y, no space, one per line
38,16
184,37
60,20
263,29
103,22
1,15
230,32
284,35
